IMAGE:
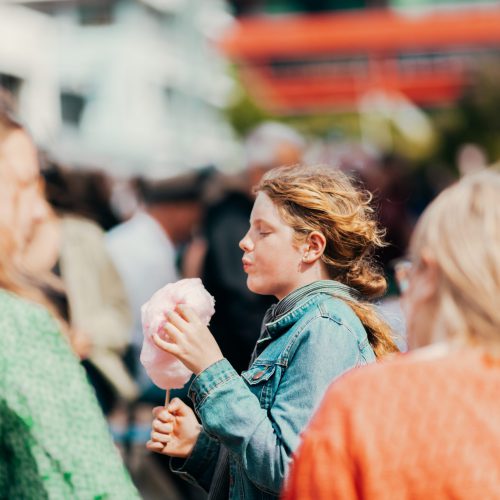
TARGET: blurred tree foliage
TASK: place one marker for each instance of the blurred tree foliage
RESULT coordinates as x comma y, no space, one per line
244,113
475,118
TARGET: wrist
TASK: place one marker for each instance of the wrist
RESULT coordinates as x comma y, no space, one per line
208,363
210,380
193,440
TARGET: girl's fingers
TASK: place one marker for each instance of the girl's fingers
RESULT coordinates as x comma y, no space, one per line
187,314
156,410
159,437
176,406
173,332
174,318
154,446
162,427
164,415
166,346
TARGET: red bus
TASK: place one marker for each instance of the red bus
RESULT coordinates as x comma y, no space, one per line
307,63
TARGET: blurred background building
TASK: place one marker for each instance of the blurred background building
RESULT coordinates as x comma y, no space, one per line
128,85
251,7
307,63
388,71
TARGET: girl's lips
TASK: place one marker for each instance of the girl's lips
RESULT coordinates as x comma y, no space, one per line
246,264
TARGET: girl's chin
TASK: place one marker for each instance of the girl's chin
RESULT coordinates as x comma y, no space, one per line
254,286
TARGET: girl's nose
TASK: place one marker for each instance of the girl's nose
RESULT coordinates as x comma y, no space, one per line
246,243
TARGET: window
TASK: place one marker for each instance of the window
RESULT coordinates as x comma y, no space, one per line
96,13
338,66
72,106
11,83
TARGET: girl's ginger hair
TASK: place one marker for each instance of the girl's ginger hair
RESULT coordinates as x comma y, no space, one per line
460,231
324,199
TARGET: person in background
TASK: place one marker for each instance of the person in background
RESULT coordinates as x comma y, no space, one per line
144,248
310,242
92,301
425,425
471,158
85,192
54,441
269,145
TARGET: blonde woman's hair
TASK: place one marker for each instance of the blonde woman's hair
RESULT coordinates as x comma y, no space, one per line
461,231
324,199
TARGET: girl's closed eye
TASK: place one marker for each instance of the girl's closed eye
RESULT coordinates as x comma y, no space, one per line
263,229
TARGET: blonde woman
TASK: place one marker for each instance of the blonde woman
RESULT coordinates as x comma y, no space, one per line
310,244
54,441
427,425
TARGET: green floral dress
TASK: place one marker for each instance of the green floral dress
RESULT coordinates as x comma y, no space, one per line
54,442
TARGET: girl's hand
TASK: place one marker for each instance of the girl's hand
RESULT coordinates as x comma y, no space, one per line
190,340
175,430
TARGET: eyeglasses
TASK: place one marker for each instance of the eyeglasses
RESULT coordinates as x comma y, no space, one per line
402,272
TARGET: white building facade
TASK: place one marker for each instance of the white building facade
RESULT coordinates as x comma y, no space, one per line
131,86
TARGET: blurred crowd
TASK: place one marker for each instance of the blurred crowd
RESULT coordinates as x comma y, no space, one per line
93,249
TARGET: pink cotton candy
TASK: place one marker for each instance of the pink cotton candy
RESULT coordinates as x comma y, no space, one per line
165,370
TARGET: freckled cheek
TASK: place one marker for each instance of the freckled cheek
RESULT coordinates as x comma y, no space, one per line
274,259
262,272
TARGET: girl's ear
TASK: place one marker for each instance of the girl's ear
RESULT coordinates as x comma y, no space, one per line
314,247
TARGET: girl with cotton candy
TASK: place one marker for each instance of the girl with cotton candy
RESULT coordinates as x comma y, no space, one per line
310,244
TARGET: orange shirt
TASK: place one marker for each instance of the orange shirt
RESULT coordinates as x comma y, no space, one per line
423,426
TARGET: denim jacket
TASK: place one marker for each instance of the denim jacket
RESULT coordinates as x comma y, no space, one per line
259,415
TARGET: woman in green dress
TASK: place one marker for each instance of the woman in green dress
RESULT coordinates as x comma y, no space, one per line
54,441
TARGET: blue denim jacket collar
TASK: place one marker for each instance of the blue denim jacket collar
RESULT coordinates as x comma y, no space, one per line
321,290
278,327
275,329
